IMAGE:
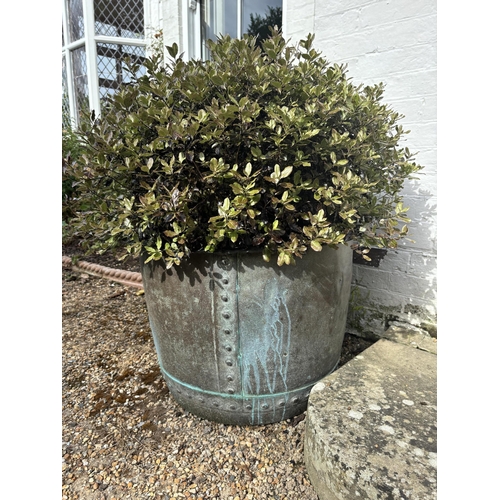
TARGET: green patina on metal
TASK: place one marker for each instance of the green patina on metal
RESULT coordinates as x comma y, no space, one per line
242,341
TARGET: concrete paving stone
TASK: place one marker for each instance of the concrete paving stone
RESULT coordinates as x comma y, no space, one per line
371,427
403,333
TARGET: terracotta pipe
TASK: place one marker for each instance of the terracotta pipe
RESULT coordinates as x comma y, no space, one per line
128,278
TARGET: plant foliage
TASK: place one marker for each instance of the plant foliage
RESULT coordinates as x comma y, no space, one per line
70,152
270,148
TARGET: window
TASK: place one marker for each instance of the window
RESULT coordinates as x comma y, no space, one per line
97,36
207,19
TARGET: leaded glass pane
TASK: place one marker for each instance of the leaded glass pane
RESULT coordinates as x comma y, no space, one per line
121,18
80,79
66,117
111,66
75,19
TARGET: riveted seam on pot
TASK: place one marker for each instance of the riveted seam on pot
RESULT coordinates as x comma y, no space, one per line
225,304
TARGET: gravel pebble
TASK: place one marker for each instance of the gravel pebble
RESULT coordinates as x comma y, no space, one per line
124,436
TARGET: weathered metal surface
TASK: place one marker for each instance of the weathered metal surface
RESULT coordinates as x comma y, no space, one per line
242,341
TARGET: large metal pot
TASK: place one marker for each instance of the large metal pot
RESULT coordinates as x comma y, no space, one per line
241,341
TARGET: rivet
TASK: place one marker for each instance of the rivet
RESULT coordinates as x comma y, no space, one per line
281,403
265,406
225,281
215,403
248,407
230,391
229,378
232,407
225,298
227,332
228,348
226,315
295,400
229,362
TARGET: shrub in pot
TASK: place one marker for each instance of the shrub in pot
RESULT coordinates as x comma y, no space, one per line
244,183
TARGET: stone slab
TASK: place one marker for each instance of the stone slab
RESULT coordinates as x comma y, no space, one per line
411,336
371,427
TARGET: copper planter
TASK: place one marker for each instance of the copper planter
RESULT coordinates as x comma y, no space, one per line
241,341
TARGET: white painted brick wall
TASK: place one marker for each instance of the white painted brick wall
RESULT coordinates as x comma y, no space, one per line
164,15
172,24
394,42
154,22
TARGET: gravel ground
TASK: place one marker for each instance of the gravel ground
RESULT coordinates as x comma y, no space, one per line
123,435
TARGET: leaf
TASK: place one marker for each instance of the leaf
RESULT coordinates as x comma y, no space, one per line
248,169
237,189
286,172
202,115
281,258
167,167
173,50
256,152
217,80
308,231
316,246
266,254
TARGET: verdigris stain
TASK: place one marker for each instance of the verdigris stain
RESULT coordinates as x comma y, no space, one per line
265,354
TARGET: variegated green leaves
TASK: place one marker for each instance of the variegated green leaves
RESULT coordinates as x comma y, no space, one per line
268,148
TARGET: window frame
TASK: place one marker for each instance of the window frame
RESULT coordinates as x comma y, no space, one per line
89,42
